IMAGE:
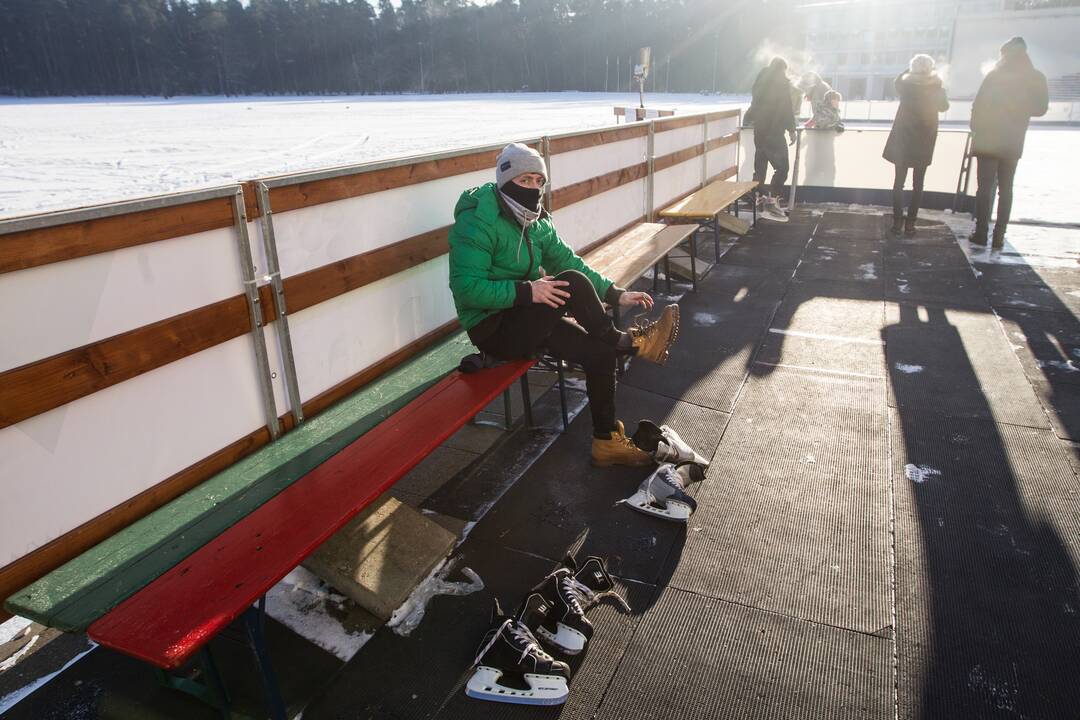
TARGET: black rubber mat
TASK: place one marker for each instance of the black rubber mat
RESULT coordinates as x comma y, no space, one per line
952,288
915,258
563,502
1031,297
986,570
957,363
793,514
849,289
423,675
696,658
733,287
1035,326
760,254
850,267
927,232
827,334
869,225
1061,403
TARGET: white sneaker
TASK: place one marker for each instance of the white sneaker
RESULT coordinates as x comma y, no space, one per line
771,210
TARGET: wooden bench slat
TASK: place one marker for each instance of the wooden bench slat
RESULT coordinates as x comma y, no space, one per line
79,592
710,200
626,258
175,615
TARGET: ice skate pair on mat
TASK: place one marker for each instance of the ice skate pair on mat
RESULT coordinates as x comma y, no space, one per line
769,208
512,666
663,493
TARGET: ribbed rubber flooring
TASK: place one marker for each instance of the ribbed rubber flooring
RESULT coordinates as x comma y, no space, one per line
698,658
885,531
986,570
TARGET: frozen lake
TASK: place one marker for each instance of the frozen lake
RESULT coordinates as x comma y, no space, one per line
64,153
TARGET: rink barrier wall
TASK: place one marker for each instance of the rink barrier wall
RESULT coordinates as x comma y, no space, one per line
218,400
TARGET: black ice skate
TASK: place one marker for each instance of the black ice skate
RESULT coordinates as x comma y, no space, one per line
665,445
663,494
511,667
569,592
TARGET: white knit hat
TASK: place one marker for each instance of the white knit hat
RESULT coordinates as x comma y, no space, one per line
517,159
922,64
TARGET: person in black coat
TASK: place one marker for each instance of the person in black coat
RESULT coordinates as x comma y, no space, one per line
913,135
1010,95
772,114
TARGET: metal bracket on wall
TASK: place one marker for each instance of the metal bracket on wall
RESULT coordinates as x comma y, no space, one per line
649,179
251,292
288,361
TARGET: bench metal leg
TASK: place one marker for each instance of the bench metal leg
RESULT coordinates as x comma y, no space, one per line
693,260
667,273
655,276
562,394
526,398
616,316
211,690
254,625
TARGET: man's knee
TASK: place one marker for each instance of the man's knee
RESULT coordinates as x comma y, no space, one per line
576,278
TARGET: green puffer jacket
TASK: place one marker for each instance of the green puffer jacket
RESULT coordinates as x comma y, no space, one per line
489,260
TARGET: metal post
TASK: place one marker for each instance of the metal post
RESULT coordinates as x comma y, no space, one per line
545,143
705,151
251,291
795,172
526,399
963,180
562,394
508,415
649,178
292,387
253,624
693,260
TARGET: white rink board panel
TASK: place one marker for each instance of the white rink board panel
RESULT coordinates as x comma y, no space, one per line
336,339
585,222
723,126
721,159
572,167
91,298
310,237
669,141
68,465
852,159
676,181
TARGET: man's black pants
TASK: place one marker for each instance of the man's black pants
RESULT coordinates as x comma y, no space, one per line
771,149
526,330
918,178
994,174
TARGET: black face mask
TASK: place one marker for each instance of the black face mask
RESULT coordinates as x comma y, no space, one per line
528,198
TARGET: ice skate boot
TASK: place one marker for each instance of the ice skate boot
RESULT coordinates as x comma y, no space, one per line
654,339
665,444
771,210
663,494
511,667
593,583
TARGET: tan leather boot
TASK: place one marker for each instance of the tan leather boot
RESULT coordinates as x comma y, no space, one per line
653,339
619,450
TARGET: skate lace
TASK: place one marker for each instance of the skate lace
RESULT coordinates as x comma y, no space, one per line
580,597
668,475
519,632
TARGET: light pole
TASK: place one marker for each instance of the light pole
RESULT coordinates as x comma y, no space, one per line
420,47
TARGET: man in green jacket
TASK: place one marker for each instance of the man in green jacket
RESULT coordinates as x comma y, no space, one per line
515,282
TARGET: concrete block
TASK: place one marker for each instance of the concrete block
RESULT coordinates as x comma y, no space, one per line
381,555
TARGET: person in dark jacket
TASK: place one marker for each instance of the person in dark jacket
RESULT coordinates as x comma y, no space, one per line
913,136
1010,95
772,114
515,281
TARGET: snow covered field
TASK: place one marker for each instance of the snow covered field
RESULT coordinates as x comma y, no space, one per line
64,153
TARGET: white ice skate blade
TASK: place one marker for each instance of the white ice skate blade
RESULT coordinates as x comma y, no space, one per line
675,510
566,639
543,689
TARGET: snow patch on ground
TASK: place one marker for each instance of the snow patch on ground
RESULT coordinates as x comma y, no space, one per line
868,271
909,369
702,319
300,602
1066,365
13,627
411,613
920,473
13,698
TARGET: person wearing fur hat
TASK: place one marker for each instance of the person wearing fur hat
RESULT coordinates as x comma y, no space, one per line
913,136
516,285
1010,95
824,114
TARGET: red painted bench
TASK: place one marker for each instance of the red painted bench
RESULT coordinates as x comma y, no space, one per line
170,620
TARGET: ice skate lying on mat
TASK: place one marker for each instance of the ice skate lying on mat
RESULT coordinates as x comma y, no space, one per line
569,592
663,494
511,667
665,445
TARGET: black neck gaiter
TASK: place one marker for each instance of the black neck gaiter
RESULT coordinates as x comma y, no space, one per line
529,198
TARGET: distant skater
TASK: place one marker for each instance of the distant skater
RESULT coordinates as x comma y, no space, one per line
1010,95
913,136
772,114
516,286
824,103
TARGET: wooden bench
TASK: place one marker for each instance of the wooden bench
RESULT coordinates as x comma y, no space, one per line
709,205
162,588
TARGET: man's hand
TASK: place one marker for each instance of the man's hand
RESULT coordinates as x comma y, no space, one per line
630,299
546,290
